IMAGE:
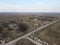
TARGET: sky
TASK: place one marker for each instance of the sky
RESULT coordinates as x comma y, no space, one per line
29,5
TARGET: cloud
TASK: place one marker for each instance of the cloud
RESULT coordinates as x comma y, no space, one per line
37,7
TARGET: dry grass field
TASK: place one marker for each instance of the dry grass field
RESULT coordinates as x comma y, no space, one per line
51,34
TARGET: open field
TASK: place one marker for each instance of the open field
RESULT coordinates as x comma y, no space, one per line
49,35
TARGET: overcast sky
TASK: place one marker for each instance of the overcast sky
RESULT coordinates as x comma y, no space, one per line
29,5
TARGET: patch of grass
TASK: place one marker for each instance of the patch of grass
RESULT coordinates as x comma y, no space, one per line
50,34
